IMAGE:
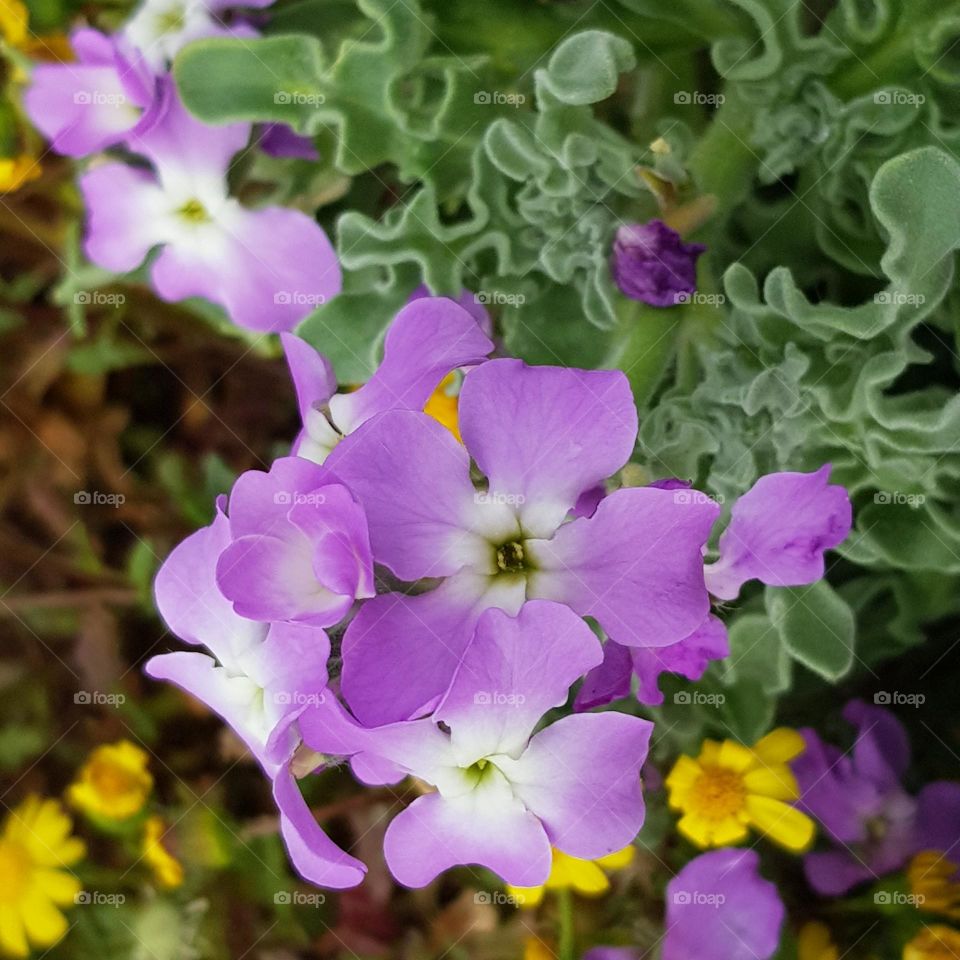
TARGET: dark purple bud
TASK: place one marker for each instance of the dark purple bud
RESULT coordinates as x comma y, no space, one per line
651,263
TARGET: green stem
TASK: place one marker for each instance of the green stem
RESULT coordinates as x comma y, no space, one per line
566,935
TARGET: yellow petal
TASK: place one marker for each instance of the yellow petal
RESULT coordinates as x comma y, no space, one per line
60,887
735,756
45,924
779,746
781,823
684,773
13,938
728,832
587,878
527,897
618,860
697,830
709,753
814,943
774,781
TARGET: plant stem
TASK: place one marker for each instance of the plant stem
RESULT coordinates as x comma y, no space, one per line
567,941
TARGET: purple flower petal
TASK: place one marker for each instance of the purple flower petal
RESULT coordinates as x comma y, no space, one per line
312,373
881,752
487,826
543,435
651,263
581,777
401,652
690,658
608,682
469,301
429,338
503,687
413,480
280,140
635,565
938,818
778,532
314,855
719,906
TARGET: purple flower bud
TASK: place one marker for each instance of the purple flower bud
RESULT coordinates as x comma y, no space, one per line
651,263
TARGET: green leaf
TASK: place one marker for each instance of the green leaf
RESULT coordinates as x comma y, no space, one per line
816,626
586,67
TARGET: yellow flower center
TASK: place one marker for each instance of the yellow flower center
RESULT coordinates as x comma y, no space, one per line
15,868
717,793
111,781
442,405
194,211
510,558
935,882
936,942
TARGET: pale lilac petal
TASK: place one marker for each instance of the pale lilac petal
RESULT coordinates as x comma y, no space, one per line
312,373
514,670
123,206
429,338
690,658
190,601
313,854
267,268
469,301
543,435
610,681
581,777
635,565
485,827
400,652
413,480
260,501
236,699
778,532
719,906
178,144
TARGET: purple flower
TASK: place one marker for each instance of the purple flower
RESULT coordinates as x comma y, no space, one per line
778,532
875,825
161,28
610,953
651,263
258,678
503,796
428,338
96,102
541,436
279,140
267,268
298,548
719,906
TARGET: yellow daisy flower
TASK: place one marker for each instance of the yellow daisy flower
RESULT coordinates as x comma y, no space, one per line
13,22
34,845
167,869
585,877
730,788
16,171
936,942
815,943
935,882
442,405
536,949
114,783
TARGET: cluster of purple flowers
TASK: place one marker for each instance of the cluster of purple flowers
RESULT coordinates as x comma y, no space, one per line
268,267
458,576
